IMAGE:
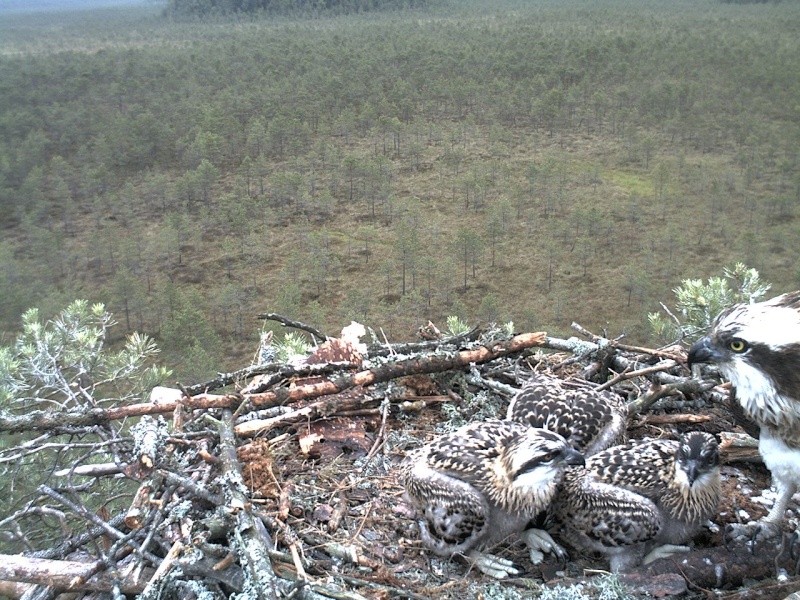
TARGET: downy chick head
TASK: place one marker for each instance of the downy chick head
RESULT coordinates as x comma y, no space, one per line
693,494
697,459
532,466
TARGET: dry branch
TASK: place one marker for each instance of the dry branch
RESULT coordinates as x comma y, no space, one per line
767,590
433,363
709,570
195,517
670,419
738,447
725,568
272,373
286,322
457,341
681,387
625,347
67,575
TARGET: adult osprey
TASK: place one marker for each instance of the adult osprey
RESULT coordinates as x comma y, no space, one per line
757,347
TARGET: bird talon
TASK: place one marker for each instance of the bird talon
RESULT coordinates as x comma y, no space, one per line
794,545
727,536
749,534
539,543
764,531
751,544
492,565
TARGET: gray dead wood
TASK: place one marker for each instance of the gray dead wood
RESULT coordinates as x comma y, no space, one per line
429,363
66,575
249,537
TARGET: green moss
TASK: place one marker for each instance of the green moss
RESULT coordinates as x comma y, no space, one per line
631,183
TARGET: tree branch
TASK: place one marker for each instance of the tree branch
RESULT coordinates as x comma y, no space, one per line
249,536
433,363
286,322
67,575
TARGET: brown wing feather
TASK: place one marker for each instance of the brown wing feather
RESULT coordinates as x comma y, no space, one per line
788,300
589,420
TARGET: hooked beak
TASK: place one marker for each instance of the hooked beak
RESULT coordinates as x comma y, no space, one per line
703,351
692,472
573,457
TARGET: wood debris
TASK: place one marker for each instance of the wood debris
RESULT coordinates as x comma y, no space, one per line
289,490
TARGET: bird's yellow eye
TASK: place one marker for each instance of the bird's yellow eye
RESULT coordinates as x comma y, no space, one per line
737,345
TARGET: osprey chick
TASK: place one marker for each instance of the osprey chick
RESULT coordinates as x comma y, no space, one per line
757,348
641,499
588,419
482,483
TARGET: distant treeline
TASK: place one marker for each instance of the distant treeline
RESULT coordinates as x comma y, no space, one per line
224,7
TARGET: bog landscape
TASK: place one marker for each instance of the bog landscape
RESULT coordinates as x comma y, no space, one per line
237,186
537,161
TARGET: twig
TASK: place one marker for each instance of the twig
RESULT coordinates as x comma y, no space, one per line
164,568
381,432
616,343
191,487
140,506
573,345
456,341
681,418
628,374
362,523
658,391
224,379
393,591
584,332
92,470
476,378
615,380
284,372
286,322
108,529
297,561
63,574
335,594
70,545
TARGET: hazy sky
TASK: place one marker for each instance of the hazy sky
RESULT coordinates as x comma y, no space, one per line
20,6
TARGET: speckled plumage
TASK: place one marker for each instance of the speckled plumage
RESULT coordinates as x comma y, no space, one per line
632,498
590,420
482,483
757,348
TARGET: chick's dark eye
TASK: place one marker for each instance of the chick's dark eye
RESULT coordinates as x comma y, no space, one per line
549,456
737,345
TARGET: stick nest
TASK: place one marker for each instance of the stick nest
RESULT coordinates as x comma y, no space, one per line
284,484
